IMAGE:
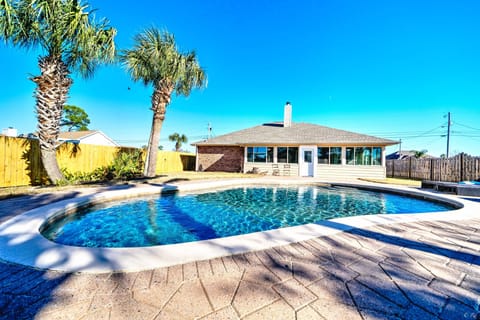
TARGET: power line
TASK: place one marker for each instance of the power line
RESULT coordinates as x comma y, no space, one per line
465,135
407,134
392,133
426,134
422,145
464,125
474,138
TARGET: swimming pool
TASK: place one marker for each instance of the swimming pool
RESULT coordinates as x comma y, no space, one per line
179,218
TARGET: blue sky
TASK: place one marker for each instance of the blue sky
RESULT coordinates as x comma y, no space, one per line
392,69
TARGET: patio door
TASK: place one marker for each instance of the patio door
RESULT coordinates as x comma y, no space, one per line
307,161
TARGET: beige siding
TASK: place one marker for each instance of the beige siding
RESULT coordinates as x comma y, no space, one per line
283,169
346,172
327,172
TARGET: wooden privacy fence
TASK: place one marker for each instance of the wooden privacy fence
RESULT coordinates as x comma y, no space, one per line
20,161
459,168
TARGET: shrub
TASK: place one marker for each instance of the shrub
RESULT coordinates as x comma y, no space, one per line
128,165
125,166
78,177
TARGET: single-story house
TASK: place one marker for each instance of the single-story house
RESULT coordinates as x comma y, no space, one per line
95,137
295,149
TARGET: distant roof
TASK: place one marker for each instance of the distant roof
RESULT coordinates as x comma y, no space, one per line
76,135
297,134
405,154
399,155
79,135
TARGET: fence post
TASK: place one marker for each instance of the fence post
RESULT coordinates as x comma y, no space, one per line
410,168
475,168
462,167
432,174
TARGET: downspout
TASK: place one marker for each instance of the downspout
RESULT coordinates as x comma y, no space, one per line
244,158
196,158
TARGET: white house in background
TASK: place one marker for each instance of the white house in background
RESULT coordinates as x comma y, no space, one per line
10,132
95,137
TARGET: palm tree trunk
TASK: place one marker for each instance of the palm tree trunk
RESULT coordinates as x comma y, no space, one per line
51,93
161,96
152,150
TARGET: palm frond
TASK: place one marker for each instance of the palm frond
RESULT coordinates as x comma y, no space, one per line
62,28
7,19
155,59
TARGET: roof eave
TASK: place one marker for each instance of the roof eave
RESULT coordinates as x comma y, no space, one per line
260,143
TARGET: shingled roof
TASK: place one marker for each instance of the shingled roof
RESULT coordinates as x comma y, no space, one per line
75,135
297,134
83,135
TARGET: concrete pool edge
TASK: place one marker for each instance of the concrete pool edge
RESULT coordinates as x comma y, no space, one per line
22,243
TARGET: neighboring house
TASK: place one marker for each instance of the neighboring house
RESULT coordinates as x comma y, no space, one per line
405,154
295,149
400,155
96,137
10,132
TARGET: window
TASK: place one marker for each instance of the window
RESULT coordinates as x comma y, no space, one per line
329,155
335,155
292,155
287,155
365,156
260,154
307,156
377,156
270,154
323,155
350,155
281,155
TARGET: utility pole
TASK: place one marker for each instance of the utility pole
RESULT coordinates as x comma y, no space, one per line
448,134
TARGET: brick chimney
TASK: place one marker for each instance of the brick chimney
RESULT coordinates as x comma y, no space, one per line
287,115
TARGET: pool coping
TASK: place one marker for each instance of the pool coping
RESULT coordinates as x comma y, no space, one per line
22,243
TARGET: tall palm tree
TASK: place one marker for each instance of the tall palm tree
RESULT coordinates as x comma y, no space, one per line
70,40
156,60
178,139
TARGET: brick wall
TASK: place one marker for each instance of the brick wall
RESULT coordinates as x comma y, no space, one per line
220,158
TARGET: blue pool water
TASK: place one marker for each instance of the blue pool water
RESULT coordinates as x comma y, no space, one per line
176,218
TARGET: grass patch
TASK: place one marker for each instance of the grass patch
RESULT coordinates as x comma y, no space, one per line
396,181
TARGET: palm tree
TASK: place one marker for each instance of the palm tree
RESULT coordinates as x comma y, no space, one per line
156,60
178,139
70,40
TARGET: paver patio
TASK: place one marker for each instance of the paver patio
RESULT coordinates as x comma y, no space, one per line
422,270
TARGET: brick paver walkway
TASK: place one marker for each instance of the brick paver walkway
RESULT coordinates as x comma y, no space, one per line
428,270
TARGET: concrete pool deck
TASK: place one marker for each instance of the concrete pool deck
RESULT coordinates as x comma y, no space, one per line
370,269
